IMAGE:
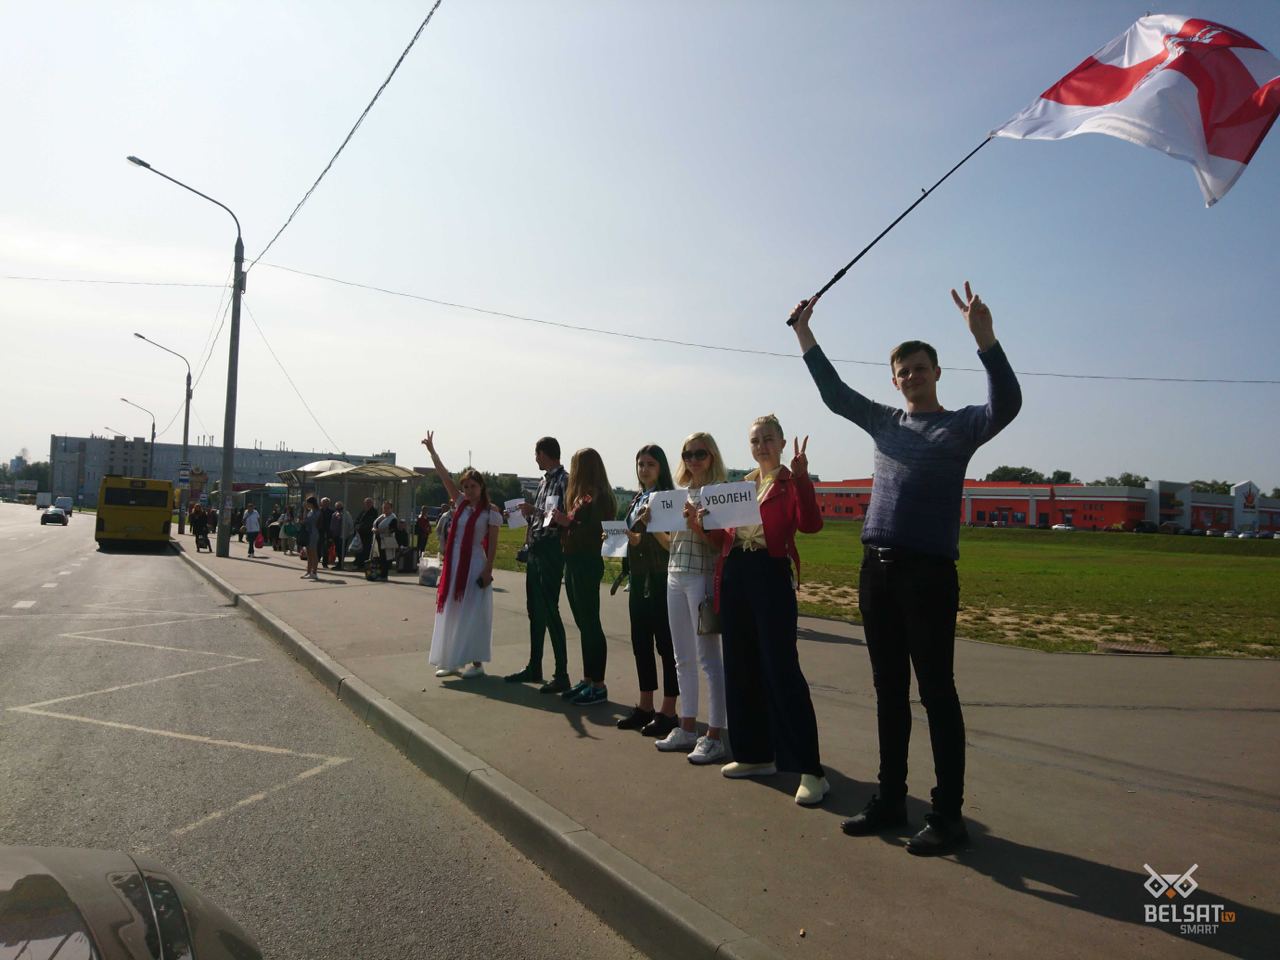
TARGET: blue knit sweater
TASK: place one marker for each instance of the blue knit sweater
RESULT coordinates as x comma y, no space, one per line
920,458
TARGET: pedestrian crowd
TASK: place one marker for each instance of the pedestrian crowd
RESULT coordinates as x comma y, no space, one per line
718,606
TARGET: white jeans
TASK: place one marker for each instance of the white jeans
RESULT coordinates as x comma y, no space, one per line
684,592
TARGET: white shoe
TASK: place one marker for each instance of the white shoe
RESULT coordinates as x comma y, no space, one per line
471,671
737,770
678,739
812,790
707,751
446,672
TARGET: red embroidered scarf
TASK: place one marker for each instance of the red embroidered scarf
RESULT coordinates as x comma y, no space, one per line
464,555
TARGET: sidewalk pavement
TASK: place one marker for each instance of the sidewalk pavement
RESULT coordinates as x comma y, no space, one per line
1081,770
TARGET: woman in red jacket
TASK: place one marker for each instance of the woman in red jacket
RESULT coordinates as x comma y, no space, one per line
770,712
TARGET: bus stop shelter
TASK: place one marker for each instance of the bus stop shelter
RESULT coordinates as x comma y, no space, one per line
378,481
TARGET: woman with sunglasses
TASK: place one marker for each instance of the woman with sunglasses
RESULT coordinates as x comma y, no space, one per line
647,560
774,727
690,582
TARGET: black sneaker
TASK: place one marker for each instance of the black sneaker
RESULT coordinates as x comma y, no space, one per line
555,685
527,675
660,726
577,688
941,835
636,719
875,817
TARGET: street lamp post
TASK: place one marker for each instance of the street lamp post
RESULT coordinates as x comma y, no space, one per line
229,422
186,426
151,451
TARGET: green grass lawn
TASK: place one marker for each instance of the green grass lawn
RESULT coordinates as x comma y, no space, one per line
1071,591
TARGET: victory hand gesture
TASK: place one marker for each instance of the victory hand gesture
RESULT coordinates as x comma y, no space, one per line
978,316
429,440
800,462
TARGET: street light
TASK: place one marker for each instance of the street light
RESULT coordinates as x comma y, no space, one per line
186,424
151,454
229,421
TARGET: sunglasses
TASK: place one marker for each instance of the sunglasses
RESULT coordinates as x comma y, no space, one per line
699,455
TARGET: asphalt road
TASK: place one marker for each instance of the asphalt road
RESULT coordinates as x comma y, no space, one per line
138,711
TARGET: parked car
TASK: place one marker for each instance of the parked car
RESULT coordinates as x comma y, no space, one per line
1230,534
1145,526
66,504
1063,527
1197,532
1266,535
88,904
1211,532
1247,535
1170,527
53,515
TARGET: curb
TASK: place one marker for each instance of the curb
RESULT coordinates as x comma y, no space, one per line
655,916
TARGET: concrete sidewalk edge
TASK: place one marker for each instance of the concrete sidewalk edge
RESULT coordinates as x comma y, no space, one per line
656,917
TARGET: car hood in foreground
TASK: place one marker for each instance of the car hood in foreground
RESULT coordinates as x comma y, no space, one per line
105,905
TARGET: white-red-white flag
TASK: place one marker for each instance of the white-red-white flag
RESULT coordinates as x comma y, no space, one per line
1196,90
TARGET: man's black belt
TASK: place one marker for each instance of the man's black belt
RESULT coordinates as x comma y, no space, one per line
897,554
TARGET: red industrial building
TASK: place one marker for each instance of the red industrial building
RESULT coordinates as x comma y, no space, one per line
1002,503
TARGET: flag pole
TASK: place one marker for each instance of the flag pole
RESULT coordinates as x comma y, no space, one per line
920,199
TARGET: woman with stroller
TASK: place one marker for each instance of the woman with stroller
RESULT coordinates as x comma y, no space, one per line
200,528
462,638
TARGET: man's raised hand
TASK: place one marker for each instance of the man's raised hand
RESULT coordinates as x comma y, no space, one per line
978,315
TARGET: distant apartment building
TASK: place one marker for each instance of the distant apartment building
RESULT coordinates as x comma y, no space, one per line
1005,504
77,464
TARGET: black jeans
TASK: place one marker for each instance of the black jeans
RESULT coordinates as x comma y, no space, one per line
770,712
650,627
582,575
909,609
544,571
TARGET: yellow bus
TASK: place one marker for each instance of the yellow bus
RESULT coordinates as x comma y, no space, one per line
131,510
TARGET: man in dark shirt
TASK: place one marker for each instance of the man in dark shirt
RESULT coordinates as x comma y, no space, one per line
545,571
908,591
326,514
364,526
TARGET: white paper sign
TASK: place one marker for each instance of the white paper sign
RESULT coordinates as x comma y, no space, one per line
615,539
553,501
666,511
730,505
512,509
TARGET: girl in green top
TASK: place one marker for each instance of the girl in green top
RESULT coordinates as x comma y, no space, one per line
590,500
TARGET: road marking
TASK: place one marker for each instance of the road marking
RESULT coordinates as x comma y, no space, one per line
35,709
47,586
328,764
63,573
24,605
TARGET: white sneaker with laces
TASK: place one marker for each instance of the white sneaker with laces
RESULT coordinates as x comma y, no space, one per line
707,750
471,671
445,672
678,739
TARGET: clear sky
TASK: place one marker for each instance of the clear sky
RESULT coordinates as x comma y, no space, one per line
673,169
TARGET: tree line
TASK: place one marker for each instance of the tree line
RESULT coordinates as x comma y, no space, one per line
1010,474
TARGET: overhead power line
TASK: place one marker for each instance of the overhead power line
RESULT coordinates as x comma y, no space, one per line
351,133
120,283
271,350
727,349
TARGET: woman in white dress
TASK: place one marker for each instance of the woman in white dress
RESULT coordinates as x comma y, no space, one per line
462,639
